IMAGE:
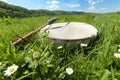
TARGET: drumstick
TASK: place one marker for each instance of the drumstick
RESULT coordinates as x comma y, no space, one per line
22,39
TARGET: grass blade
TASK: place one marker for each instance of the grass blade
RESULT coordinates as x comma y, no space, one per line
26,75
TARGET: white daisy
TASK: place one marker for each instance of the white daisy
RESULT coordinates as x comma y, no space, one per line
118,50
10,70
119,46
83,45
59,47
0,63
69,71
117,55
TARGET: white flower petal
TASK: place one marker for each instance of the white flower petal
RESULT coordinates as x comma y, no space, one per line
69,71
10,70
83,45
0,63
119,46
117,55
59,47
118,50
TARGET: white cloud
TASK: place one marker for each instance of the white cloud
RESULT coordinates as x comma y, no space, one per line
89,1
98,1
79,10
118,9
101,10
52,5
4,0
105,10
92,5
53,2
38,7
91,8
74,5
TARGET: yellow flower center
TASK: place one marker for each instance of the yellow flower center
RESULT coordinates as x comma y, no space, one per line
11,69
69,71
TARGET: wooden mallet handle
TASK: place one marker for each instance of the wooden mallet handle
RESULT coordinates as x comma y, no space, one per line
21,39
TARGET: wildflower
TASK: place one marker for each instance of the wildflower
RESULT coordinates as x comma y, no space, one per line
118,50
36,55
117,55
69,71
10,70
59,47
0,63
83,45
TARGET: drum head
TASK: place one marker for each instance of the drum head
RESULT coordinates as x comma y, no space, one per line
70,31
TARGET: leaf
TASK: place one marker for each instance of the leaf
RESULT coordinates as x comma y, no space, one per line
1,67
28,60
27,46
22,77
33,64
107,49
2,45
8,49
62,75
105,74
50,65
13,51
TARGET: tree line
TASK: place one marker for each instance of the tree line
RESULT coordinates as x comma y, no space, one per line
17,11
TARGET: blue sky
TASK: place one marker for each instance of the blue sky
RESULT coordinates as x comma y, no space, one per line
97,6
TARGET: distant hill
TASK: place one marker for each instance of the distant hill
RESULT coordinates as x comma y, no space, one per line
17,11
13,11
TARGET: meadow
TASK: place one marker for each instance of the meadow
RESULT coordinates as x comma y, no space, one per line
39,60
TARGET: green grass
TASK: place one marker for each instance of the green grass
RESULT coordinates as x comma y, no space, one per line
95,62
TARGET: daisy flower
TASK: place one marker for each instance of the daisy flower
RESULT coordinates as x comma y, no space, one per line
83,45
69,71
0,63
59,47
118,50
117,55
10,70
119,46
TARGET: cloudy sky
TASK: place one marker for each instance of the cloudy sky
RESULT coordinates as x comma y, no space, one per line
70,5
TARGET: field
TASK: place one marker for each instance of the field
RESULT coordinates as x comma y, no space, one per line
39,60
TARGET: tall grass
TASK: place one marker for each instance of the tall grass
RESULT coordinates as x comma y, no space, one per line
95,62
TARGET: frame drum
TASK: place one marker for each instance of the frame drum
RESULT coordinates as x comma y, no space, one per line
72,32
